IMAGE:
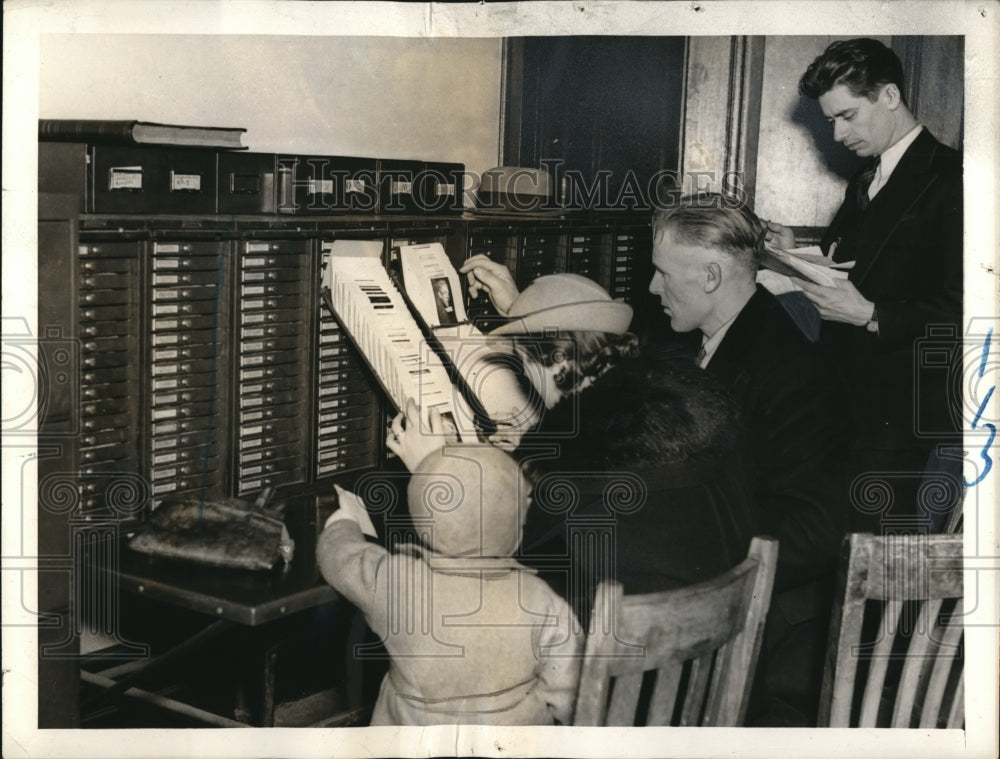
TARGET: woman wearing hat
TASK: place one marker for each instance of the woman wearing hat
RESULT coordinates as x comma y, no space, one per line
640,455
564,332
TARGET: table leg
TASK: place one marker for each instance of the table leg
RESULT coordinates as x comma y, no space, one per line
157,662
267,690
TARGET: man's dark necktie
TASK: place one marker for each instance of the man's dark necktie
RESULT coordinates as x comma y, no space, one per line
864,182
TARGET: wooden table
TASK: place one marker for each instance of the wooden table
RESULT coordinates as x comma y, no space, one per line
229,599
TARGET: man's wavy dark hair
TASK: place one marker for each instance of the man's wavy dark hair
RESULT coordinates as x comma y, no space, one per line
862,65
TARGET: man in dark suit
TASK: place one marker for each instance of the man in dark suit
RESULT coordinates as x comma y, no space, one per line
901,221
706,250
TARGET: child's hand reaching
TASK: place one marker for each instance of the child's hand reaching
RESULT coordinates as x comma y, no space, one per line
352,508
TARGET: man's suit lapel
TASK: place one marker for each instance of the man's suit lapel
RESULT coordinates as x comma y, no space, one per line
911,178
733,357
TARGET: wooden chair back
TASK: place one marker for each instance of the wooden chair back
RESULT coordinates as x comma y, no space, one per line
684,656
894,657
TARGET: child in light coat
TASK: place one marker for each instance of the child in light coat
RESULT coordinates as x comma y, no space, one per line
474,637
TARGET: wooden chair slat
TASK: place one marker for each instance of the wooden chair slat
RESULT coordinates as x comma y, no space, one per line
845,634
835,695
728,699
661,706
591,704
895,571
660,631
872,698
624,698
694,697
922,647
951,636
956,714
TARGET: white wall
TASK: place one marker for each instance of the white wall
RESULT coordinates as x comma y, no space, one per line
387,97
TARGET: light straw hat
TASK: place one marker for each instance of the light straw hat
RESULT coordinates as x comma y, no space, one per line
565,303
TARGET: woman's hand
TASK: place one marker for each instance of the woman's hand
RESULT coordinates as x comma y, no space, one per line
413,441
492,277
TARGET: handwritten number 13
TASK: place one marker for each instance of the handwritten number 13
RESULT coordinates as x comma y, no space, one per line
984,451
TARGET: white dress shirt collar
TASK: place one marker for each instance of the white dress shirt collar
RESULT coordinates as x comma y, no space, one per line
889,159
710,344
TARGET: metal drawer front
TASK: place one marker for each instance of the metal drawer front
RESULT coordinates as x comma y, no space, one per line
184,323
327,184
185,181
178,278
272,330
122,179
247,183
273,358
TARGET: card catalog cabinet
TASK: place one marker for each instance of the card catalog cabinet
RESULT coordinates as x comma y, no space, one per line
200,362
273,348
204,361
542,251
630,263
588,252
108,313
498,243
187,343
346,413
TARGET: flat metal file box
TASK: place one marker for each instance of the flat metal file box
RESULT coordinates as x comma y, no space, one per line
122,179
185,181
247,183
316,184
399,183
440,187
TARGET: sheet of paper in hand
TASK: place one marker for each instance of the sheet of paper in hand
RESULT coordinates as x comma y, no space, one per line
779,266
350,506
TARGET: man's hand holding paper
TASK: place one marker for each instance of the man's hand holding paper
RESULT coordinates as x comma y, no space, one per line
840,303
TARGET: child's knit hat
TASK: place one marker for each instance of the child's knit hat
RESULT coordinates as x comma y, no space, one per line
469,500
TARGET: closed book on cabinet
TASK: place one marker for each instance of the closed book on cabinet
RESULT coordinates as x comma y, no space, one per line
126,132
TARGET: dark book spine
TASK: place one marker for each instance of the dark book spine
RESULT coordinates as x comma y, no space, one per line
86,130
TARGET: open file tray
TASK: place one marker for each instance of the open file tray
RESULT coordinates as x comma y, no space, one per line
446,371
483,367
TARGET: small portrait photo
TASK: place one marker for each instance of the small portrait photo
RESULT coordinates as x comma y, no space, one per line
444,301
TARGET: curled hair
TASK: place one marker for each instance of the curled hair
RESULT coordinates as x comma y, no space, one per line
588,354
719,222
862,65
